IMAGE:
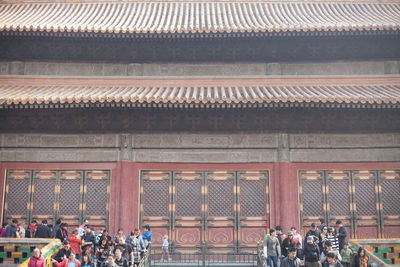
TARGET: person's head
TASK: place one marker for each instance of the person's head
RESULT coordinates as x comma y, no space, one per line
313,226
72,256
278,229
87,228
166,237
330,231
310,239
5,224
75,231
103,242
345,245
121,240
34,222
15,222
325,230
58,222
331,257
146,228
120,231
36,253
105,232
110,260
44,222
66,245
272,232
322,221
339,223
86,259
292,253
290,235
361,252
298,245
118,253
293,229
328,245
137,231
64,226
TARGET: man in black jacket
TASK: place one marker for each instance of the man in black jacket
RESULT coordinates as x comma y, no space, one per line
311,253
11,229
43,231
342,234
64,252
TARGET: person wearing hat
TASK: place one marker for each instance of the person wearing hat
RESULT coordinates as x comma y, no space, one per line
342,234
64,252
311,253
333,239
288,243
315,233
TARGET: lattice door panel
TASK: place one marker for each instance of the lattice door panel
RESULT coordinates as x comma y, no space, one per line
253,212
18,197
221,224
339,198
367,220
188,218
70,197
44,198
155,203
96,198
390,203
311,197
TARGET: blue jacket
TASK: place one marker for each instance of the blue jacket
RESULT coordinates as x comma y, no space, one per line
148,236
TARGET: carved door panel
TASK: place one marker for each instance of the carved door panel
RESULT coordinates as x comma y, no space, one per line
221,210
389,189
366,205
70,197
18,195
45,195
312,198
339,199
96,198
188,218
155,203
253,208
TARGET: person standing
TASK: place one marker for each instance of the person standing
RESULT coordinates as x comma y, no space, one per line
311,253
360,259
119,260
11,229
272,248
346,254
43,231
37,259
64,252
296,236
165,245
341,235
291,260
89,240
333,239
71,261
314,232
62,232
147,237
76,242
287,244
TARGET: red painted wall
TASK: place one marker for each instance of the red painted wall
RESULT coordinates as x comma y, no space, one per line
125,188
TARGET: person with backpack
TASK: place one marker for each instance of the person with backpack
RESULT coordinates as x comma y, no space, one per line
311,253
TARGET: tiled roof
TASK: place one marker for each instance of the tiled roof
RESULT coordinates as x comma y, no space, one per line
171,17
381,90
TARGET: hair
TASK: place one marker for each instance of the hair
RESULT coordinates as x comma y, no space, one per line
14,221
86,226
322,221
58,221
5,224
345,243
137,229
120,229
338,222
313,225
33,221
147,227
72,252
272,230
36,250
112,256
328,243
89,258
105,231
293,228
44,222
118,248
76,230
360,249
278,228
298,244
331,255
66,242
292,249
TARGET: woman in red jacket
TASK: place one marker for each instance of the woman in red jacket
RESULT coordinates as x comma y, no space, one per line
76,242
37,259
70,262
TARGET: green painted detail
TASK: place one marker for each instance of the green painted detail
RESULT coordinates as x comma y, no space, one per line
25,249
387,261
383,250
3,255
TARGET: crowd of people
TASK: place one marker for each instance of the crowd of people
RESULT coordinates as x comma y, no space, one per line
84,248
322,246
